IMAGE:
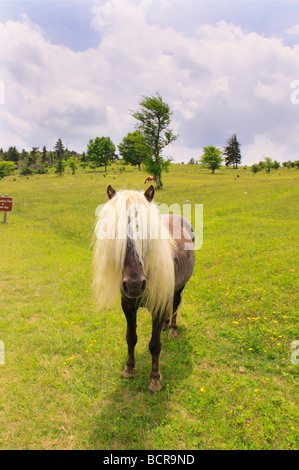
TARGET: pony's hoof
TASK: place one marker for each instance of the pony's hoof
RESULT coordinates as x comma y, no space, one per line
127,373
155,386
173,332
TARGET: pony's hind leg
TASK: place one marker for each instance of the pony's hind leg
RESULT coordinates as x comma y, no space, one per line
173,329
130,308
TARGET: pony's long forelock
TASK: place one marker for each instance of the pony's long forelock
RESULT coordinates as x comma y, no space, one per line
129,215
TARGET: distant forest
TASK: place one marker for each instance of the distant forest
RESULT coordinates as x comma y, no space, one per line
39,161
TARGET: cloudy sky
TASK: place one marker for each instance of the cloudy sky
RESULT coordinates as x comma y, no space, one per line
77,69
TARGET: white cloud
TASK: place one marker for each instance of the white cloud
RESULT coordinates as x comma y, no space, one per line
294,30
262,146
218,80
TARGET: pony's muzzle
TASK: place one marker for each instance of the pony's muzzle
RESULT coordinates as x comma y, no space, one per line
133,288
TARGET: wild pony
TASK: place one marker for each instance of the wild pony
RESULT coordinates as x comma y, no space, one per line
149,178
146,256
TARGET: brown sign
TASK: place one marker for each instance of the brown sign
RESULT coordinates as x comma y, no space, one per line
5,204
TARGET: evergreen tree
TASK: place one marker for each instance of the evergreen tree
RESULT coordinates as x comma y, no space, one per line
32,157
60,166
59,150
24,155
12,155
232,152
44,154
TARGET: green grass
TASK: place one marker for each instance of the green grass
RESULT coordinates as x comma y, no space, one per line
228,382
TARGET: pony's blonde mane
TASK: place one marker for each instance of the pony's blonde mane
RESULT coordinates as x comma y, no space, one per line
129,211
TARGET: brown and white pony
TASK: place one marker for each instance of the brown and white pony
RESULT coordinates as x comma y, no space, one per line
136,253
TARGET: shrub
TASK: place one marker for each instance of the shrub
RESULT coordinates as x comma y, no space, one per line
255,168
6,168
25,171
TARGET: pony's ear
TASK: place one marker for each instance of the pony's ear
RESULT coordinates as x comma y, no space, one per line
149,193
110,192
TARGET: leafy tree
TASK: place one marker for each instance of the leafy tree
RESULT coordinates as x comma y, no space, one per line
262,165
72,164
6,168
133,148
289,164
100,151
153,122
268,164
276,165
232,152
211,158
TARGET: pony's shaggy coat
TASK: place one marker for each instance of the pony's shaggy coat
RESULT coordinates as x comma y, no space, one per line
129,215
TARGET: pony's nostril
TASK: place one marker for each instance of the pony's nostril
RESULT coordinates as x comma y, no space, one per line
143,286
125,288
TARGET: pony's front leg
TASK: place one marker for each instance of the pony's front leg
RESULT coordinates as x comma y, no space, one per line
155,348
130,307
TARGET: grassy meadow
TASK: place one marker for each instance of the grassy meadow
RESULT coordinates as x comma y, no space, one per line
228,379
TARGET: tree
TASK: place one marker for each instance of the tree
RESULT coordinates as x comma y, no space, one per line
133,148
100,151
12,155
262,165
32,157
44,154
6,168
24,155
268,164
59,149
60,166
73,165
153,123
276,165
232,152
255,168
211,158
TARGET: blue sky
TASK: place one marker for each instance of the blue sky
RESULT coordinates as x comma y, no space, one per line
75,69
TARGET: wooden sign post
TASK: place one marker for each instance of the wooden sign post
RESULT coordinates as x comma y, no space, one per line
5,206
